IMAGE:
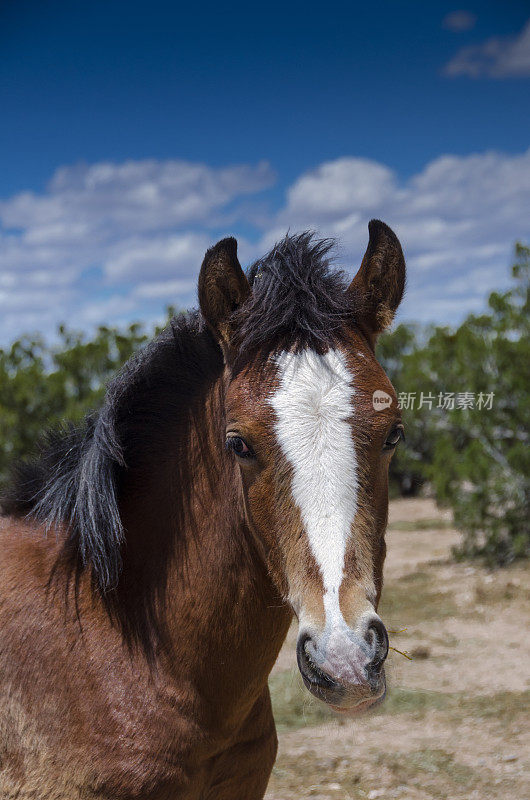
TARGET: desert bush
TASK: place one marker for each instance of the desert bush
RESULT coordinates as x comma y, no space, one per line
473,449
43,384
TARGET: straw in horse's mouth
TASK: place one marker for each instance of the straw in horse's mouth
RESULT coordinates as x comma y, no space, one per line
401,652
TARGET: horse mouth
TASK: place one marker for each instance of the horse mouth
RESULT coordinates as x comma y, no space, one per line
343,699
368,704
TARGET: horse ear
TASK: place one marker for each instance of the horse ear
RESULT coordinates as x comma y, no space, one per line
380,282
223,287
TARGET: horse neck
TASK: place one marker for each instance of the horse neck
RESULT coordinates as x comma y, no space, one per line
225,619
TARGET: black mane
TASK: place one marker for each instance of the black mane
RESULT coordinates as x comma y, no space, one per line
79,475
297,299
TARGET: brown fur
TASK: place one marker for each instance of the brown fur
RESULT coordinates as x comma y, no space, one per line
111,726
83,715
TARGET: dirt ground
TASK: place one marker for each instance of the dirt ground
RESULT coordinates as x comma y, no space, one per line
456,718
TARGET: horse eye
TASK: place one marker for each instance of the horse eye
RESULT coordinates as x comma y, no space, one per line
239,446
394,436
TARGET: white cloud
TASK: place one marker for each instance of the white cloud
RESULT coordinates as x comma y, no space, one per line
498,57
349,183
165,290
108,243
458,217
88,213
136,222
118,309
146,258
137,195
458,21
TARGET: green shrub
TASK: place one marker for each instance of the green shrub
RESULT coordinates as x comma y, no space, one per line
42,384
476,458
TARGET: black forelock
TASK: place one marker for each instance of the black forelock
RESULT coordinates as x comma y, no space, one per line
297,300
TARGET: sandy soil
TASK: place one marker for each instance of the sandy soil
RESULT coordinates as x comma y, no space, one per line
455,720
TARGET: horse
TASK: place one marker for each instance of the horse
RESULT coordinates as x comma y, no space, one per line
153,558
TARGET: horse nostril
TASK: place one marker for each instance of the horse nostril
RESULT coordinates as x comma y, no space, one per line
309,670
377,636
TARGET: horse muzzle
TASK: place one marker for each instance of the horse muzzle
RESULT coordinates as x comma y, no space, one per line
344,667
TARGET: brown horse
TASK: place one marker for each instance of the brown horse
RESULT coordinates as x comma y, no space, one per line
151,562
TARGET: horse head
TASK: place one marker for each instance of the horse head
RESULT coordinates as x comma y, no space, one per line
312,440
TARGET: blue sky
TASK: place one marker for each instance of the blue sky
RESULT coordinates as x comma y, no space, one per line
132,135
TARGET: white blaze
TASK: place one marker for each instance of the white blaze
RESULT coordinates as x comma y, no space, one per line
313,405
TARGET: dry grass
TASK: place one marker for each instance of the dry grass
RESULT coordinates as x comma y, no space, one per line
415,594
295,708
420,525
454,721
